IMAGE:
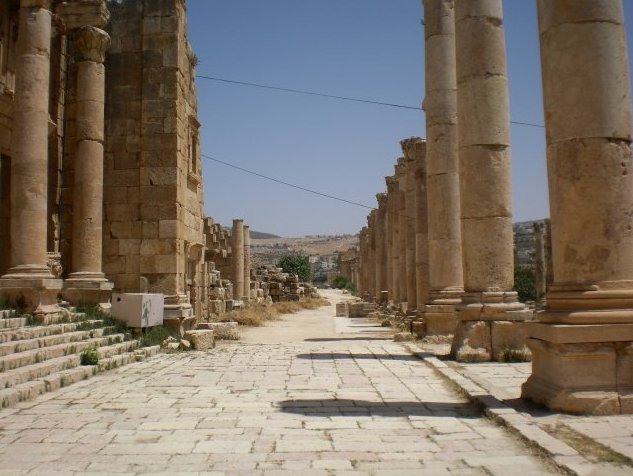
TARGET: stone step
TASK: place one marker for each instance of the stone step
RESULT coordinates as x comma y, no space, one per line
26,391
35,332
23,375
35,356
13,322
7,313
12,347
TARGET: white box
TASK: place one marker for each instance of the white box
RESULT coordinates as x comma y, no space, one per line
138,309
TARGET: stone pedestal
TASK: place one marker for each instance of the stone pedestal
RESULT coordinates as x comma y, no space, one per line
442,170
485,182
86,283
29,282
582,344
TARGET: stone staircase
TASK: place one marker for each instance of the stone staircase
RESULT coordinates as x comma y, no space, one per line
35,359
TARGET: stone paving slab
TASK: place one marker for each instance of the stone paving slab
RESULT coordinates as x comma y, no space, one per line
262,409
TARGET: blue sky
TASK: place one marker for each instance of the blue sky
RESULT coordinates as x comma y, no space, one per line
361,48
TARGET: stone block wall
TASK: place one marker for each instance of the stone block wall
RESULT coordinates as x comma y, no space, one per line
153,192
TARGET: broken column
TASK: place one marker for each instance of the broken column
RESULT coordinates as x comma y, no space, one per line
490,318
582,343
237,248
86,282
29,280
381,248
442,170
247,262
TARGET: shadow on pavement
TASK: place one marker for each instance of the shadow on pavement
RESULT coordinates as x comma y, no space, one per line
340,356
344,407
335,339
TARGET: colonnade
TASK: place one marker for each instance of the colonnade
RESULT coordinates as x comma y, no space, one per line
29,280
446,253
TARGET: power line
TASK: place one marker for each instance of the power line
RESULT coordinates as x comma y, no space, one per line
332,96
298,187
310,93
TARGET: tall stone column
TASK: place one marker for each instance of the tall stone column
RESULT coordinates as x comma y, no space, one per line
247,262
29,279
381,247
389,259
410,187
371,254
582,344
237,248
395,242
401,288
86,282
489,306
415,149
446,281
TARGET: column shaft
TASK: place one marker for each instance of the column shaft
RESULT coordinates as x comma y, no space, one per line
380,238
29,143
247,262
237,248
442,160
91,43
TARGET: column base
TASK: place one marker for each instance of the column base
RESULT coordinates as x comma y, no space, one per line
439,314
88,288
35,293
490,326
592,373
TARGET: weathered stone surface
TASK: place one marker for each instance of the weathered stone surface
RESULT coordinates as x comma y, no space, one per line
201,339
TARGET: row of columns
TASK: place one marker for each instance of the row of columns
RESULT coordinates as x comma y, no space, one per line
458,202
29,281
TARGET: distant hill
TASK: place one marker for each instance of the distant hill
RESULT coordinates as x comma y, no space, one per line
258,235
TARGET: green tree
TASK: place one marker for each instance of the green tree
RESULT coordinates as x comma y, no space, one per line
296,263
525,284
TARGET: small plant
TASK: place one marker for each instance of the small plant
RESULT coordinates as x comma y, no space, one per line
4,305
90,356
514,355
154,336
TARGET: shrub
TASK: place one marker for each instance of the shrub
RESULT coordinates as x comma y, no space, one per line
525,284
296,263
90,356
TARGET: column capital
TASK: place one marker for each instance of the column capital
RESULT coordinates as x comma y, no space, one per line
91,43
36,4
381,198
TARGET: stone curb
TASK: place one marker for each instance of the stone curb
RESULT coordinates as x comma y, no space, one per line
562,455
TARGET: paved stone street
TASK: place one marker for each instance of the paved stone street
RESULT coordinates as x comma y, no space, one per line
350,403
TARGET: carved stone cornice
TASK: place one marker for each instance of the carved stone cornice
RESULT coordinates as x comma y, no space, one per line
91,43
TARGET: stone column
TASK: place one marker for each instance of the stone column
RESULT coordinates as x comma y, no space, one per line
29,280
389,224
489,306
446,281
401,243
237,248
371,252
395,242
542,258
410,186
247,262
381,247
415,149
86,282
582,344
